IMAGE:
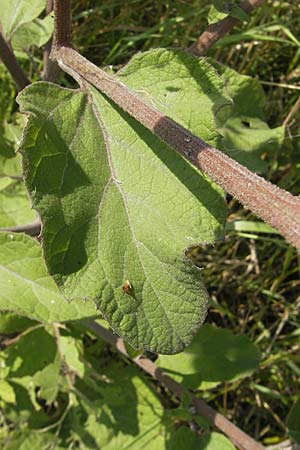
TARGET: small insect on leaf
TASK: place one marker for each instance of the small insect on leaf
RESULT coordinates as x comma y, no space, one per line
127,286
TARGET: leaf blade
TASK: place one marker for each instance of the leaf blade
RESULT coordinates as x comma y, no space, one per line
117,204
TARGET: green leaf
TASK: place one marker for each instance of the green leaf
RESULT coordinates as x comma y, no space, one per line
215,15
184,438
29,439
14,205
48,379
238,13
10,161
34,364
7,95
215,441
117,204
35,33
14,13
123,413
25,287
293,422
71,354
11,323
7,393
215,355
246,136
221,9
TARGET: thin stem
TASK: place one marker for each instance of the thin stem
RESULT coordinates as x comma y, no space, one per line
237,436
12,65
274,205
32,229
62,23
217,30
50,67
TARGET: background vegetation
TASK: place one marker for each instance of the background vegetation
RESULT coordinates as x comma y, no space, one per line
253,276
253,279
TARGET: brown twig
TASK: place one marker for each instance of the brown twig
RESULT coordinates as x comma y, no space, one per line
50,67
12,65
32,229
274,205
217,30
237,436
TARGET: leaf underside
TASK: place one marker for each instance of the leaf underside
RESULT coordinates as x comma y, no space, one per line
119,207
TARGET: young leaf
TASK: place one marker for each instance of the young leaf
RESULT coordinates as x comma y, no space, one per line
33,364
246,135
221,9
25,287
35,33
14,13
227,357
7,393
71,355
118,206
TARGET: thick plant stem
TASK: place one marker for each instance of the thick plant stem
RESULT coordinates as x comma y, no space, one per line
274,205
62,23
237,436
12,65
217,30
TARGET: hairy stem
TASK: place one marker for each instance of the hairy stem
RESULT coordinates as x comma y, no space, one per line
217,30
274,205
240,439
12,65
62,24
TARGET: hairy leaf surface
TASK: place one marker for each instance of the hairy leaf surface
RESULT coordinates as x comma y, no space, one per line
118,206
25,287
14,13
14,203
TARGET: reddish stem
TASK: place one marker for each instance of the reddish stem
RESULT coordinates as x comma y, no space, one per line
274,205
12,65
236,435
217,30
62,24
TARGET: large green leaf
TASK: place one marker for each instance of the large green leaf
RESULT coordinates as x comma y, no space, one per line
14,13
117,204
25,287
215,355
